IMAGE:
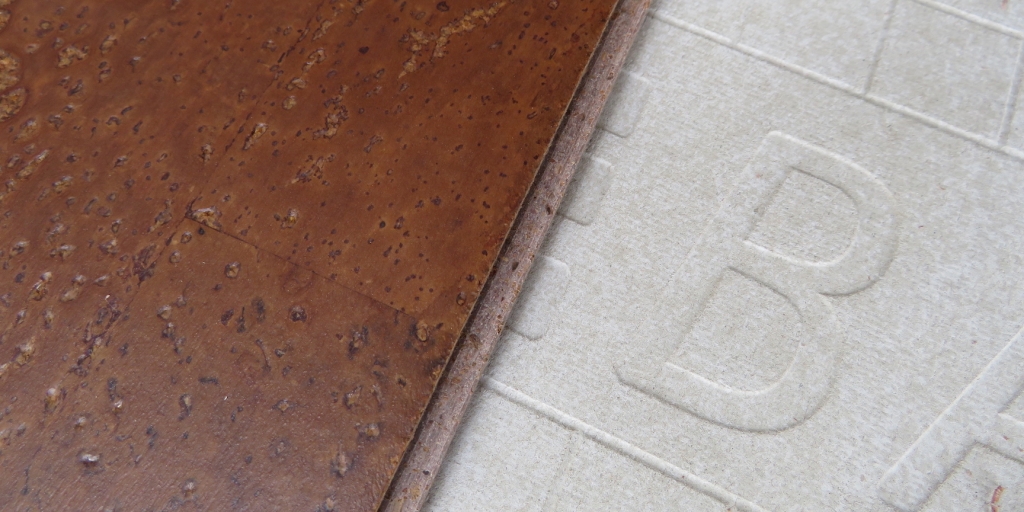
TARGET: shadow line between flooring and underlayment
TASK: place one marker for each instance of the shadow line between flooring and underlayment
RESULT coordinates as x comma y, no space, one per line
622,447
839,85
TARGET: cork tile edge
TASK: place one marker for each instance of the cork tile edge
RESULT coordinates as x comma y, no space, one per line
438,426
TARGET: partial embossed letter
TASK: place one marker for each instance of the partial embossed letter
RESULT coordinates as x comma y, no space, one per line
975,417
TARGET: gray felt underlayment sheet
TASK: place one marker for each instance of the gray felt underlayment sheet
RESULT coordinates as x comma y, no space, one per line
789,275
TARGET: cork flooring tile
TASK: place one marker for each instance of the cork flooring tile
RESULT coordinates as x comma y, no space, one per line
238,241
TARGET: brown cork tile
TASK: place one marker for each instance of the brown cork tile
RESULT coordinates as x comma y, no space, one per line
239,240
234,380
410,488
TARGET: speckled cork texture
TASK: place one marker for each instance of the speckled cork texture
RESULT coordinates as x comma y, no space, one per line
556,181
239,241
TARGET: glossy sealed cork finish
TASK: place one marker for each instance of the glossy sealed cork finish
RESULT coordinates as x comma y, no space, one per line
238,241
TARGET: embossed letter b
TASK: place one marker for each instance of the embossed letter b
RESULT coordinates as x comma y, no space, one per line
723,246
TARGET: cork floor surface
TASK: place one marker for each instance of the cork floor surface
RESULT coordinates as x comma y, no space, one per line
239,240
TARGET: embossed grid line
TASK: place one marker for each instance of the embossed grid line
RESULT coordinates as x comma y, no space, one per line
877,56
1006,125
841,86
966,16
754,52
622,447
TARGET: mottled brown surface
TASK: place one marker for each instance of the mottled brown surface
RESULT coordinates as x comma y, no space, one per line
239,239
440,423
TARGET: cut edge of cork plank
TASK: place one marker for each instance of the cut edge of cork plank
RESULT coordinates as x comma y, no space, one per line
440,423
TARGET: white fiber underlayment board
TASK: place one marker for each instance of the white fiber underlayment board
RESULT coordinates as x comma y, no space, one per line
789,276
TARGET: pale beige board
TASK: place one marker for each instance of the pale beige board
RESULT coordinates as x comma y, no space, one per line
802,287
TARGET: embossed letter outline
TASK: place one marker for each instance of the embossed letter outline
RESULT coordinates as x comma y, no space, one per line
975,417
723,246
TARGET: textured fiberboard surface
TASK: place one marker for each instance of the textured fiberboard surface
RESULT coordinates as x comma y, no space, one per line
238,240
788,276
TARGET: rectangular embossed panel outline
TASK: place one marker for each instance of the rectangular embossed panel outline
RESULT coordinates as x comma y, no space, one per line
345,171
